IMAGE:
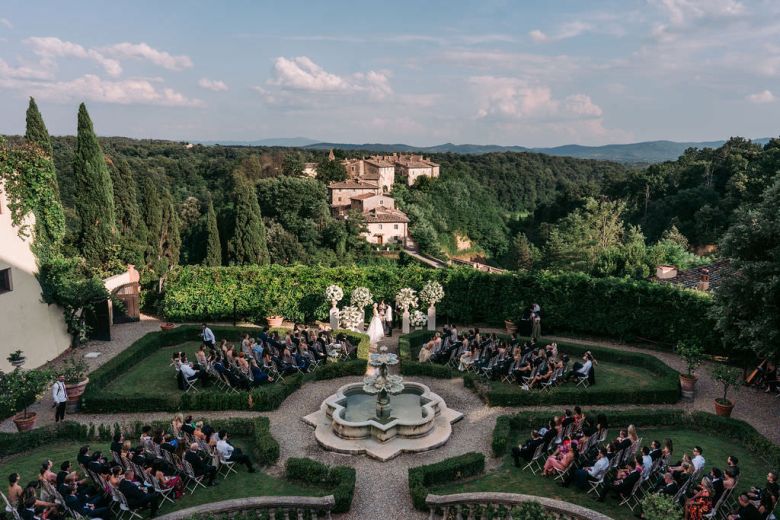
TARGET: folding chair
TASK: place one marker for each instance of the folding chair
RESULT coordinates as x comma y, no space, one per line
227,465
534,463
124,507
190,384
163,491
583,381
595,485
192,479
632,500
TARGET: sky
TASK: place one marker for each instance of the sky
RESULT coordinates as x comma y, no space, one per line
524,73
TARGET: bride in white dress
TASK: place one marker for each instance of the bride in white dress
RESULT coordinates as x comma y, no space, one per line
376,331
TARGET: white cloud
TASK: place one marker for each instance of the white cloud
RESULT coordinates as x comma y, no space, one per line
765,96
680,12
50,47
122,92
564,32
302,74
5,22
538,36
24,71
212,84
144,52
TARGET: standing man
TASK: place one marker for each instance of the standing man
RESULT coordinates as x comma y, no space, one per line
389,319
60,397
208,337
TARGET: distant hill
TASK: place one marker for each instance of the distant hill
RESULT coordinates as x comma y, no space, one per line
290,142
633,153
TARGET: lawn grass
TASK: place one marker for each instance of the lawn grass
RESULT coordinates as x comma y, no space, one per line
243,484
153,375
508,478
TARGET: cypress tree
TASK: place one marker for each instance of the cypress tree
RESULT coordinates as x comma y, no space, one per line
130,225
249,243
213,248
36,129
152,218
95,200
170,238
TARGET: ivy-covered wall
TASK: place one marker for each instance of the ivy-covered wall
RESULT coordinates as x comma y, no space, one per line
571,302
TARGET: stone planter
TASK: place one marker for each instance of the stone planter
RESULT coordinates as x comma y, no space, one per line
25,422
688,385
432,318
723,407
75,391
167,326
274,321
405,322
510,326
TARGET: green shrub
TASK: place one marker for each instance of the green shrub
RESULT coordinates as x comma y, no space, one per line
97,399
340,480
575,302
421,478
656,506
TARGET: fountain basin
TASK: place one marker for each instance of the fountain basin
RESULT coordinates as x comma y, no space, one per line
419,420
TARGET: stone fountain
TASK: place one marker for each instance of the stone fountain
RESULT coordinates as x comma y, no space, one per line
383,416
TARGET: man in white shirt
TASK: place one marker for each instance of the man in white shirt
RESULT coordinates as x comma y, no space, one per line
698,460
189,373
592,474
647,463
229,453
208,336
60,397
389,320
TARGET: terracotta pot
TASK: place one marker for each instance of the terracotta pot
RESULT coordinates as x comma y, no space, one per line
688,385
723,407
25,423
274,321
167,326
75,391
510,326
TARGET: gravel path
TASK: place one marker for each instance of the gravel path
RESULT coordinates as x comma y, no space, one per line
382,488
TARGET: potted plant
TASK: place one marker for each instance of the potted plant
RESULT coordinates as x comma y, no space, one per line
165,327
18,389
510,326
16,358
75,372
693,356
274,318
729,377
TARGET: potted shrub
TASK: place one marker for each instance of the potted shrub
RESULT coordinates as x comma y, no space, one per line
660,507
729,377
165,327
18,389
16,358
75,372
693,356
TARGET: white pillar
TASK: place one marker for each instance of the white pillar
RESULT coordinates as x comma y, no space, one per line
405,322
432,317
334,317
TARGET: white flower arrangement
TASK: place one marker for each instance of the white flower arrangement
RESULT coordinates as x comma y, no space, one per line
418,319
361,297
432,293
351,317
334,293
406,298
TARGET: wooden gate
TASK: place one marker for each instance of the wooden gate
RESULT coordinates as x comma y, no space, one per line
130,295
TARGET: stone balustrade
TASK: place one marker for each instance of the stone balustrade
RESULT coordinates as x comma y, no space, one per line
277,508
475,506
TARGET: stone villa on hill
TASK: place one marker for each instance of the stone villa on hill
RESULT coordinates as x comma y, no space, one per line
383,169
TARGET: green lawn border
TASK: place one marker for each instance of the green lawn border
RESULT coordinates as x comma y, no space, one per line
664,389
340,480
421,478
98,399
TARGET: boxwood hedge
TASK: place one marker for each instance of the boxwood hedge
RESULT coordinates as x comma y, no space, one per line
421,478
575,302
664,388
340,480
99,398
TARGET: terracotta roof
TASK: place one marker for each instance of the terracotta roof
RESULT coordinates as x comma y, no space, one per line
380,163
416,164
385,215
689,278
365,196
353,185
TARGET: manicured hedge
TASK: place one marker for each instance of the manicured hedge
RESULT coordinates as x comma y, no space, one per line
575,302
509,427
99,399
339,479
449,470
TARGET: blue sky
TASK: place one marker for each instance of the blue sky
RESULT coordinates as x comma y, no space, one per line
525,72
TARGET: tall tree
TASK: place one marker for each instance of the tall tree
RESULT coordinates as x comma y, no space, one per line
293,164
170,236
152,218
130,226
330,171
748,302
249,242
95,201
36,129
213,256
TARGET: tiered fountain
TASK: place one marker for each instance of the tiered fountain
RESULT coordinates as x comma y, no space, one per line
403,417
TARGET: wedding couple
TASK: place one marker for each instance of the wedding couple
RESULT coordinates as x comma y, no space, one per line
381,322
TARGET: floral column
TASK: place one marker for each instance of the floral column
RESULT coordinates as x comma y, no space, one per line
406,299
431,294
334,294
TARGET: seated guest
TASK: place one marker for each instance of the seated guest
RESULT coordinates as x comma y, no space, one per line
116,476
700,503
622,441
655,450
647,463
729,480
167,481
543,373
46,510
625,481
527,450
201,357
83,507
426,351
717,484
229,453
561,459
137,496
590,473
733,464
188,426
766,497
581,369
259,376
242,362
668,486
697,460
116,443
188,373
746,510
98,463
199,466
16,496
